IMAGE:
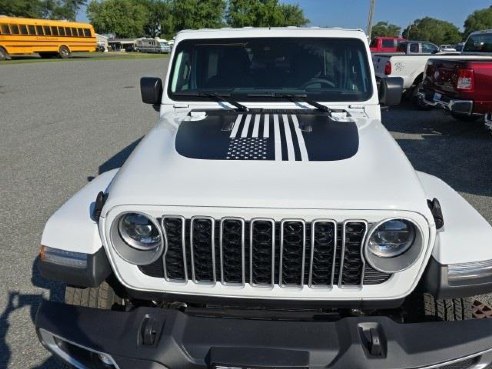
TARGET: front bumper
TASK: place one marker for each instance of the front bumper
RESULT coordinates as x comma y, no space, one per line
159,338
434,99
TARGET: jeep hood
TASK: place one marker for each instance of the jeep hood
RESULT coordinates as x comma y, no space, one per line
276,160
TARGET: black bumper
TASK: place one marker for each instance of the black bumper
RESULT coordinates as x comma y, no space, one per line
184,341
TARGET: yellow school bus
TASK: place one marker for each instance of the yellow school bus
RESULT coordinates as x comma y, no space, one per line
47,37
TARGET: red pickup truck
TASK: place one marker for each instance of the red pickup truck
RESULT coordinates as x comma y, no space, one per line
385,44
463,86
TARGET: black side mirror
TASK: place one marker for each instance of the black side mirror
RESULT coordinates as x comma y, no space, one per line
390,90
151,90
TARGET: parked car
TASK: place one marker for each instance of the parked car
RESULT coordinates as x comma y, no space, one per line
411,67
447,48
152,45
385,44
459,46
462,86
417,47
268,220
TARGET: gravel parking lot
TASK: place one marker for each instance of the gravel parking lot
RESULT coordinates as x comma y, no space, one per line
62,123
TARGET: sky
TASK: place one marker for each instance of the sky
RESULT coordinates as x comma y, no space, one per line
353,13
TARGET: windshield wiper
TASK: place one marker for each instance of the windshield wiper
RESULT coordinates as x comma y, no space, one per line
294,98
223,98
220,97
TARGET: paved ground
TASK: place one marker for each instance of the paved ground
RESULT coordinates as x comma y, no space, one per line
62,123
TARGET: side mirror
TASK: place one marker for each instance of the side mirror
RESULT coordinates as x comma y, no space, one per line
390,90
151,90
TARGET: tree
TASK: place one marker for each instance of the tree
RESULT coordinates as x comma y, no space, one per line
385,29
71,7
124,18
23,8
53,9
478,20
433,30
159,13
192,14
264,13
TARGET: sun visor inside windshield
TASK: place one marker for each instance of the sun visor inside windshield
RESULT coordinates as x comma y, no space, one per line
286,136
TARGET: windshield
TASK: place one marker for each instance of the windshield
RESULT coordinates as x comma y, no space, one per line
479,43
324,69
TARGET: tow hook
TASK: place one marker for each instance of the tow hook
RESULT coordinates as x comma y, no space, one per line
373,339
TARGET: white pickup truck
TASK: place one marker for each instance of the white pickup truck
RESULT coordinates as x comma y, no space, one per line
411,67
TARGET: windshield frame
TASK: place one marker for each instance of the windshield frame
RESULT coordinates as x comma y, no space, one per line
247,95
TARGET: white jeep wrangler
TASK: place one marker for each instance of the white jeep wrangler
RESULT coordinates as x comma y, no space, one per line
268,220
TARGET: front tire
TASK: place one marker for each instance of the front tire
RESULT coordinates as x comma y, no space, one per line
4,55
64,52
424,307
102,297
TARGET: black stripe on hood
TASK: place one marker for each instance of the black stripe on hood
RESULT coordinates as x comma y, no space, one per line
275,135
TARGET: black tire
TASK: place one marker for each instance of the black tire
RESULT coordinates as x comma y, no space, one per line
424,307
64,52
4,55
465,117
416,101
102,297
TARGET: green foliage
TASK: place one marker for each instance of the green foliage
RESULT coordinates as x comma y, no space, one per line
159,16
264,13
433,30
385,29
125,18
53,9
478,20
193,14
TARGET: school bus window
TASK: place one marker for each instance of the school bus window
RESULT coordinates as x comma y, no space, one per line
32,30
47,30
81,32
39,30
74,32
54,31
87,32
61,30
23,29
15,29
68,32
5,29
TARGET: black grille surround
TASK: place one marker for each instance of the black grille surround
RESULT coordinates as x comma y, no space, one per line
262,252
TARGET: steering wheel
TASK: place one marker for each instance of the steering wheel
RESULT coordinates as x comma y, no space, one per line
321,81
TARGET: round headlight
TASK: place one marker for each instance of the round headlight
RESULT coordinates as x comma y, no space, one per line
392,238
139,232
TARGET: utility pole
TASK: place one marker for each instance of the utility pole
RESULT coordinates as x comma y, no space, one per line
369,18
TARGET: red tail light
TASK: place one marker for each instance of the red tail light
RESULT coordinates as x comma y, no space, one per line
387,68
465,80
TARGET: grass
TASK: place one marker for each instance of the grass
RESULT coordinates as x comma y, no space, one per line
83,57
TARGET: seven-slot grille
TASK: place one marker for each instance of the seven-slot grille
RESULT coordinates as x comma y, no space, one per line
263,252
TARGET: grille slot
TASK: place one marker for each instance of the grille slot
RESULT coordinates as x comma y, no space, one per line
352,261
232,243
202,241
323,247
263,253
174,260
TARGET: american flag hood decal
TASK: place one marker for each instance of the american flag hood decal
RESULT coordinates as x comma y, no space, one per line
275,135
